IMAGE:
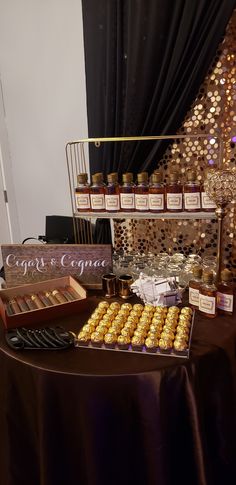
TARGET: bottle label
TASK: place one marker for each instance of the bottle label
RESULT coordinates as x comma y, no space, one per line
192,200
112,202
174,201
127,201
225,302
207,203
82,201
207,304
141,202
193,296
97,201
156,201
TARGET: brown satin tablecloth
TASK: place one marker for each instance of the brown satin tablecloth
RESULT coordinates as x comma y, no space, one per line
92,417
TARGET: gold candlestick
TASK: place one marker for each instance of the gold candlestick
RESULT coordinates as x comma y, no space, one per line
220,186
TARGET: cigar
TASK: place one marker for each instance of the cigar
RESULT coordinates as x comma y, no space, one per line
31,305
58,295
72,292
22,304
9,309
44,299
14,306
51,298
39,304
67,295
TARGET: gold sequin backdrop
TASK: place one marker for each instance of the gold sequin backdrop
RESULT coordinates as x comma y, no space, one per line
213,112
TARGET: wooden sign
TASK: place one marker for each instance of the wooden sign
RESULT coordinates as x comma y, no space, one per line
39,262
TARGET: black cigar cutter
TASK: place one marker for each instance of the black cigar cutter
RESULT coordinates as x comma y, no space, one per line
47,338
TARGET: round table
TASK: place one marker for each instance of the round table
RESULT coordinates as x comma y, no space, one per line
93,417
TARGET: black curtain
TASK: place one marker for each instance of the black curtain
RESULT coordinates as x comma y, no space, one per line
145,61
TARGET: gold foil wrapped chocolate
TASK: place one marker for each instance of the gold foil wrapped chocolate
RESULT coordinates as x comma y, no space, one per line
126,331
137,341
97,337
154,333
138,306
151,343
180,345
103,304
155,327
187,310
123,341
127,306
165,344
110,339
167,334
88,327
115,306
84,336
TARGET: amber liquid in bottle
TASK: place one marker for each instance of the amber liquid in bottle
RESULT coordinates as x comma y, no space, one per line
112,193
208,296
174,194
194,286
82,193
142,193
192,199
156,193
97,193
127,193
226,293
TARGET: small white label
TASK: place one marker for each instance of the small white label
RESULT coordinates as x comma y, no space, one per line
192,200
225,302
207,203
112,202
141,202
127,201
174,201
193,296
82,201
97,201
207,304
156,201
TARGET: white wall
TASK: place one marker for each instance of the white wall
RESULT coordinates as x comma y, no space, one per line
43,82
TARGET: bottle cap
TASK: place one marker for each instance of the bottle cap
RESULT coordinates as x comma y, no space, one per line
174,176
226,275
99,173
197,271
82,178
97,178
156,178
142,177
208,277
112,178
191,175
127,177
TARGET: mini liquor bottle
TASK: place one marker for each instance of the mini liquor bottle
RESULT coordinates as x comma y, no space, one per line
156,193
208,296
194,285
82,193
207,204
141,192
127,193
112,193
225,293
97,193
192,200
174,193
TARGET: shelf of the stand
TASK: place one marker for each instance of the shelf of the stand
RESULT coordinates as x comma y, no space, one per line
146,215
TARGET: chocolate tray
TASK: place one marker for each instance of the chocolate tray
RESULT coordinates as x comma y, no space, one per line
143,351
